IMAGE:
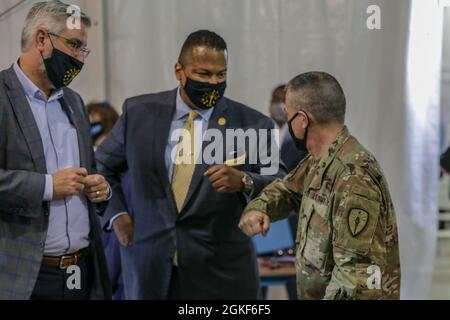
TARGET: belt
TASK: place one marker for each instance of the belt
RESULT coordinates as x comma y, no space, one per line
65,261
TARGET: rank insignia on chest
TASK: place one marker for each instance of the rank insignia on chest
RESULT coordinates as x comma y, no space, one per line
357,221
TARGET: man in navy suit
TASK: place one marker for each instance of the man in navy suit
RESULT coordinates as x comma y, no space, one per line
180,237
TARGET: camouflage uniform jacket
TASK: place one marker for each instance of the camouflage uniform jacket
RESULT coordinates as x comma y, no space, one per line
347,241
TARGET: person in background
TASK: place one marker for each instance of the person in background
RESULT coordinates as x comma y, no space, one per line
290,155
103,117
277,112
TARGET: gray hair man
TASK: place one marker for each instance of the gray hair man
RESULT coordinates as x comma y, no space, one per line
50,246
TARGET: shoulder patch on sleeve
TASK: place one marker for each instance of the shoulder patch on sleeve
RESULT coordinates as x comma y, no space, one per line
357,221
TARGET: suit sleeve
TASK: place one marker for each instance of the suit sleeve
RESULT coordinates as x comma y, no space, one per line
21,192
269,166
445,160
112,164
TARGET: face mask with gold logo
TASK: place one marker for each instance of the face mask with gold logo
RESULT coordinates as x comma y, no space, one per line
205,95
62,68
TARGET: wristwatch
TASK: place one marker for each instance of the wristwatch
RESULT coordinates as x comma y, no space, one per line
248,184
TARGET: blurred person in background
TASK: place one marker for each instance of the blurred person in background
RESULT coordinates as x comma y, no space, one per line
290,155
277,112
102,117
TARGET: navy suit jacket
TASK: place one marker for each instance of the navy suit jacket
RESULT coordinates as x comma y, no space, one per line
216,260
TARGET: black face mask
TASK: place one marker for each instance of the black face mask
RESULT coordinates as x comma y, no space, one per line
204,95
299,143
62,68
97,130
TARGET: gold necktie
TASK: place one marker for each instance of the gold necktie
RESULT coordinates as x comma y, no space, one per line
184,162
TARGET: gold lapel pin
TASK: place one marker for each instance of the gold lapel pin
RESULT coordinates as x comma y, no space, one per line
222,121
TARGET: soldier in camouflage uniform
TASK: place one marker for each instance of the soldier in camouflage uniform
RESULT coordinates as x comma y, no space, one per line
347,241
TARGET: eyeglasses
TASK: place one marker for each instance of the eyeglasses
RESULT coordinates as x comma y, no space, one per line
75,46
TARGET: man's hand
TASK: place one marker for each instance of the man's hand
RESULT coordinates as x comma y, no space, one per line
255,222
96,188
225,179
123,227
69,182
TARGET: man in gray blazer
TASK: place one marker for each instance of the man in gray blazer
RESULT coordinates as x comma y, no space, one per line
180,237
50,246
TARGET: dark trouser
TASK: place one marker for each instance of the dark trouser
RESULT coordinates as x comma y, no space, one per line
55,284
174,289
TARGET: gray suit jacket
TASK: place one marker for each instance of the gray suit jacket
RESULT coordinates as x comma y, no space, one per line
23,215
216,260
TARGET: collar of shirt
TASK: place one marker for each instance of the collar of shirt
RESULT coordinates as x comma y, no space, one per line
182,110
31,90
322,164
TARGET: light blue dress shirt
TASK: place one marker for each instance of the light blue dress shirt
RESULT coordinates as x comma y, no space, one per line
69,227
178,122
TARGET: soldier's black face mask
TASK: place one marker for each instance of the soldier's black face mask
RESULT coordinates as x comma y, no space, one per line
204,95
299,143
61,68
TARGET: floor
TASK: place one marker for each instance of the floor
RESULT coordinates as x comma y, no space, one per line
440,288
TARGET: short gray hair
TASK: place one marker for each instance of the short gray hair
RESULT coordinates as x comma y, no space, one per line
51,15
320,94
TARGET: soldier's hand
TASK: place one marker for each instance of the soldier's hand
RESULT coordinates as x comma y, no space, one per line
69,182
225,179
255,222
123,227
